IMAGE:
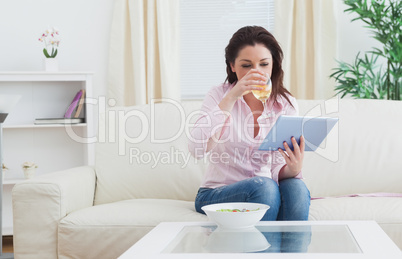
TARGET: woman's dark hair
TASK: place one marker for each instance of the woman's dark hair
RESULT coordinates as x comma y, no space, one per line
250,36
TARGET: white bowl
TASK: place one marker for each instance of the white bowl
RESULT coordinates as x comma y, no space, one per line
244,240
235,220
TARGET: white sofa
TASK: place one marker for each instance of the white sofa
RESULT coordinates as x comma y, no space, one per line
99,212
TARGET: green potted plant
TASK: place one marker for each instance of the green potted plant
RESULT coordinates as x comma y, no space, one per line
365,78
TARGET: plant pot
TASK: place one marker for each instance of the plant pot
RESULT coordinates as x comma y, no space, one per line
51,65
29,173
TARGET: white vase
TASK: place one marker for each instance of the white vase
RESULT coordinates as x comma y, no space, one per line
51,64
29,173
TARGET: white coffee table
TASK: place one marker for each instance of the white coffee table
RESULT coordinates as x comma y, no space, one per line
285,239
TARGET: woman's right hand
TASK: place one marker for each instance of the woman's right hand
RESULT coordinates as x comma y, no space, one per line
243,86
248,82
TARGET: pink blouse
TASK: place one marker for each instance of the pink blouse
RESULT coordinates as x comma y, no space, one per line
236,157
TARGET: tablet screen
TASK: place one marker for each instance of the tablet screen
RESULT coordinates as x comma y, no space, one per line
314,130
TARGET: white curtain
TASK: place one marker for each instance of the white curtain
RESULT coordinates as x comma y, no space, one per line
307,32
144,55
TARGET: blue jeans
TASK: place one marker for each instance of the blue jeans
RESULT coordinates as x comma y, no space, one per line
288,242
288,201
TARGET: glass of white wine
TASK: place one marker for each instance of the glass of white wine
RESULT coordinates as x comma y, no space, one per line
264,93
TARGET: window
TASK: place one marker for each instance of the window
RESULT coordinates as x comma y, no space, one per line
205,29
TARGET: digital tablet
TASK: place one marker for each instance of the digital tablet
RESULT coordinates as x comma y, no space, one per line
314,130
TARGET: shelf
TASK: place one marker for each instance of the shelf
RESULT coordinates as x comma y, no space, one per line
32,126
12,181
44,73
21,76
43,95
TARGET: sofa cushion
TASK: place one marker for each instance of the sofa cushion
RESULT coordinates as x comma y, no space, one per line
357,157
144,154
380,209
361,154
117,226
387,212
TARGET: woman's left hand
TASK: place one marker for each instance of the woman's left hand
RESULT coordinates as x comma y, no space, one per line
294,159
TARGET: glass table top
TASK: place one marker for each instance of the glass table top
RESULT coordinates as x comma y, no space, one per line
265,239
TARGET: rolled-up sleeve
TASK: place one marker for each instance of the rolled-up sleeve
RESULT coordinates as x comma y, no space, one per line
277,159
212,120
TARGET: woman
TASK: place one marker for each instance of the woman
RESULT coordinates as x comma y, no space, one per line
234,123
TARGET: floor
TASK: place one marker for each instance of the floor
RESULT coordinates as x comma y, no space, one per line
8,244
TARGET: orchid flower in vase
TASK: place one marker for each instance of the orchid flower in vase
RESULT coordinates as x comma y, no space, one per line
51,40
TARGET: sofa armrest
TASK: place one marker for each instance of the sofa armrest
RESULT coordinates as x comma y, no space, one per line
40,203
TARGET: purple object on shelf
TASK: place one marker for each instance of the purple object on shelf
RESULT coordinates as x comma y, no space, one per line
73,105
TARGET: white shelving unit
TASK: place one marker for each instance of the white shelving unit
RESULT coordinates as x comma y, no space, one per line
52,147
12,181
